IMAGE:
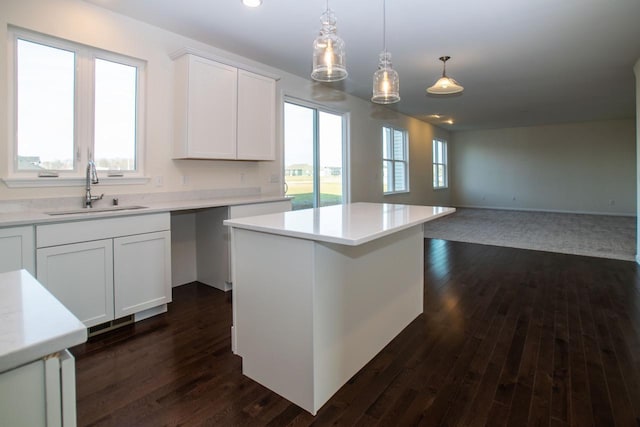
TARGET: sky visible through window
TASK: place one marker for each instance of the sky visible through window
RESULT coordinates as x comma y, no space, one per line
46,110
45,105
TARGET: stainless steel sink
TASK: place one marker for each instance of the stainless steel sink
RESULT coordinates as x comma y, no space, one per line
96,210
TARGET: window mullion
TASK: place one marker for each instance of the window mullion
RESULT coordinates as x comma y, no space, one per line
85,108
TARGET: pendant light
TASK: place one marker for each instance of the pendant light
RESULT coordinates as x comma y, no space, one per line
386,83
328,51
445,85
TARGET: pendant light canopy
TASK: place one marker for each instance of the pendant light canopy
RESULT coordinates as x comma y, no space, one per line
445,85
328,51
386,83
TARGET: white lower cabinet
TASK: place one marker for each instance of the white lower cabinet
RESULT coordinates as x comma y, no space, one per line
17,249
80,275
124,268
40,393
142,279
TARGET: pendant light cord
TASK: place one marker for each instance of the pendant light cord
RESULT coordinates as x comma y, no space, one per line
384,26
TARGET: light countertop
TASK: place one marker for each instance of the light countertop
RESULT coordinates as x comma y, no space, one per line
33,323
29,217
350,224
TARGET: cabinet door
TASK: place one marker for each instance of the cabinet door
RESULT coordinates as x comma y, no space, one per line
17,249
142,272
80,275
256,117
212,110
23,396
41,393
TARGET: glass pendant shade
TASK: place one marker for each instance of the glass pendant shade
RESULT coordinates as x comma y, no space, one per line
445,85
386,83
328,52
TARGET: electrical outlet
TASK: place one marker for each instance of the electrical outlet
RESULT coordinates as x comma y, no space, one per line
514,197
242,177
612,202
185,180
159,180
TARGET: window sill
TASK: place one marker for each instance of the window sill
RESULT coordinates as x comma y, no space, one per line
69,181
440,188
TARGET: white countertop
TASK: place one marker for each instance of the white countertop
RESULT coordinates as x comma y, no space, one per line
33,323
350,224
41,217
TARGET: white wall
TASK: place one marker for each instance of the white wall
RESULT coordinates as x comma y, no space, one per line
85,23
576,167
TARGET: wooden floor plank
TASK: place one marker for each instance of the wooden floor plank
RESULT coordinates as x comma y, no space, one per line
508,337
560,396
581,414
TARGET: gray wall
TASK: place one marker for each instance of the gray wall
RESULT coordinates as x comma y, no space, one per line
578,167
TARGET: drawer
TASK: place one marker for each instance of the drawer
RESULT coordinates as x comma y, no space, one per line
84,231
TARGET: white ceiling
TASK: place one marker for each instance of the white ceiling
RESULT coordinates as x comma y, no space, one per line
522,62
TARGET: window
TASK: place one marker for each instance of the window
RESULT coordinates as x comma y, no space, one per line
314,153
395,162
440,164
72,104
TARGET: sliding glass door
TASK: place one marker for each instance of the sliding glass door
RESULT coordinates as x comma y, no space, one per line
314,147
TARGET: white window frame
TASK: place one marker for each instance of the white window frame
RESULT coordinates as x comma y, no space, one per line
346,119
405,143
83,116
444,164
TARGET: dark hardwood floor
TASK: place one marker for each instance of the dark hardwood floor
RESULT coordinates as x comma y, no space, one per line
508,337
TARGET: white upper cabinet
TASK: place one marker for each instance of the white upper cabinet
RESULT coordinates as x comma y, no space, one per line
223,112
256,117
206,109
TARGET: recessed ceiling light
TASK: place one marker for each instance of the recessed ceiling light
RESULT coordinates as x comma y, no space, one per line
252,3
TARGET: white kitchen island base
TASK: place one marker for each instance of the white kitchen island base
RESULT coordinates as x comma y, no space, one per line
316,313
309,314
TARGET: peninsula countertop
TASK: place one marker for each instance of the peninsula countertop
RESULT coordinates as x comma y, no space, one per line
33,323
348,224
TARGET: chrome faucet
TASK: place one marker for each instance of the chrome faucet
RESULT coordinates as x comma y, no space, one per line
92,178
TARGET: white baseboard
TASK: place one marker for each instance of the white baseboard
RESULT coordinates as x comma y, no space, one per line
503,208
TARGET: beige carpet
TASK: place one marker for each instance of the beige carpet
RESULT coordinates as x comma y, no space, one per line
590,235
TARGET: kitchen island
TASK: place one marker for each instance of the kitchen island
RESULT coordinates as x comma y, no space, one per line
319,292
